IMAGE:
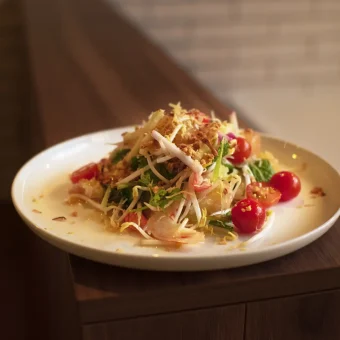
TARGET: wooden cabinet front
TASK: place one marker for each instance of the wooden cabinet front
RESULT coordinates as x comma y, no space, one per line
307,317
207,324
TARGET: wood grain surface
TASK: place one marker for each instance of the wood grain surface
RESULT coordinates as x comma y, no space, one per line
98,76
37,294
311,317
206,324
14,93
92,70
113,293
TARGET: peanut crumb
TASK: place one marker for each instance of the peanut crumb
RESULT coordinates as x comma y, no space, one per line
59,219
317,192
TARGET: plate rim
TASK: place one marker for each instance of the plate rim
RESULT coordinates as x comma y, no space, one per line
321,229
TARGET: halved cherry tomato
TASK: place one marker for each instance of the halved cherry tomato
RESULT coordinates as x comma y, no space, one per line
86,172
248,216
242,151
287,183
133,217
263,193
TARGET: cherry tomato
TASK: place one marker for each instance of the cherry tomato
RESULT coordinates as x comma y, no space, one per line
254,139
263,193
287,183
133,217
248,216
86,172
242,151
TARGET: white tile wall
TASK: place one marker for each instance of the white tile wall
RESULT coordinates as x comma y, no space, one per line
246,43
276,61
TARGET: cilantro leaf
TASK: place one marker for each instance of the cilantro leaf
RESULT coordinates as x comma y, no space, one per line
158,199
221,224
224,222
226,148
148,178
162,197
119,155
138,162
163,170
125,193
262,170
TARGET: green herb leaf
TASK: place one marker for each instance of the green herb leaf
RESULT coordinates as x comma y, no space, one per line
119,155
262,170
221,224
163,197
223,221
124,193
229,166
138,162
225,149
163,170
227,216
222,152
148,178
127,194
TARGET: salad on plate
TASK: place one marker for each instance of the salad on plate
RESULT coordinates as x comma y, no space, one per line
182,175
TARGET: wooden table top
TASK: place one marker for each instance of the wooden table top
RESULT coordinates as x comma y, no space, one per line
92,70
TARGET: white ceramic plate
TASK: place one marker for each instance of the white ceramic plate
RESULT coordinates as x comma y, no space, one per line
42,184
